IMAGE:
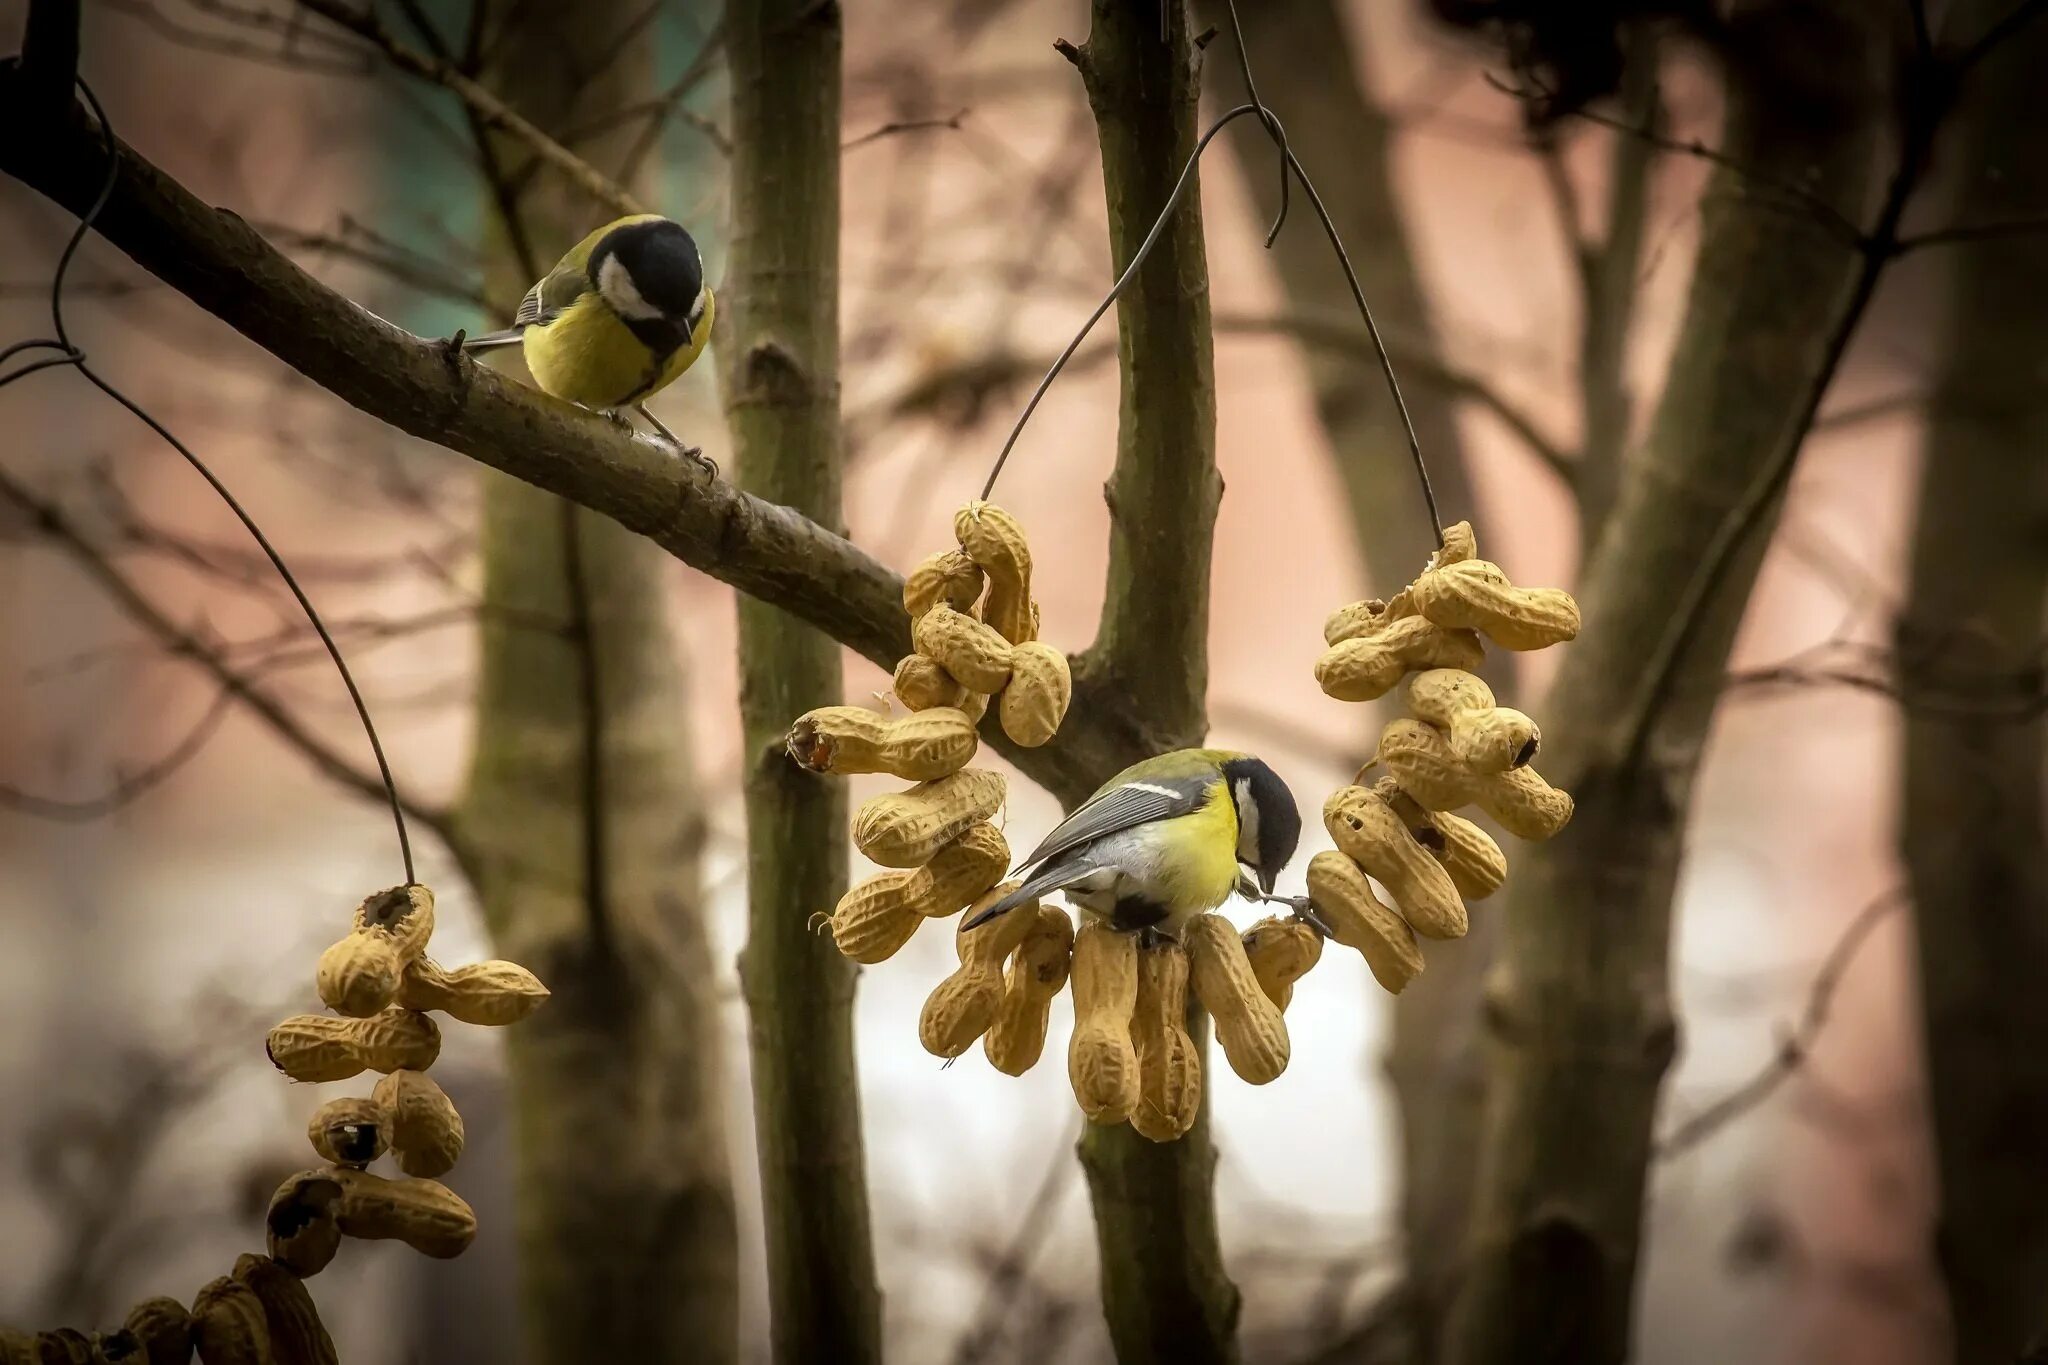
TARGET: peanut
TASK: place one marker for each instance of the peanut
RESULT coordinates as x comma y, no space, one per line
426,1131
995,540
228,1325
1038,972
1338,889
1102,1059
1169,1064
352,1131
163,1328
316,1047
876,918
922,682
62,1346
1248,1025
1365,667
1035,701
491,993
920,747
975,653
1459,545
963,1006
108,1348
1418,756
1369,833
424,1214
358,975
1485,737
1476,595
1468,853
296,1335
949,577
1355,621
302,1228
904,829
1281,952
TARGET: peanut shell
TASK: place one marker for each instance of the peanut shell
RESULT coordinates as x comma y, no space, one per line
949,577
1367,831
995,540
1485,737
163,1328
1338,889
975,653
922,682
351,1131
1035,702
1364,668
1037,972
424,1214
1169,1065
426,1131
920,747
1418,756
961,1008
229,1326
1476,595
490,993
316,1047
1248,1025
302,1227
1281,952
904,829
1102,1058
296,1334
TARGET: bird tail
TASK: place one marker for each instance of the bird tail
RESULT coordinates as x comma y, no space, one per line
511,336
1044,881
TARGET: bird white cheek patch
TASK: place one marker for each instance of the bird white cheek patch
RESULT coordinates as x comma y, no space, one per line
615,282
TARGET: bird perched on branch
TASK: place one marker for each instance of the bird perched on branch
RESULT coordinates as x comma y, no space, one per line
619,318
1162,842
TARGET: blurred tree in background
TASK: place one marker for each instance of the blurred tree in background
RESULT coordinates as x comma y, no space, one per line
1529,1064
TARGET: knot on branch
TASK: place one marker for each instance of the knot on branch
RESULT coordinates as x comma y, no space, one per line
770,373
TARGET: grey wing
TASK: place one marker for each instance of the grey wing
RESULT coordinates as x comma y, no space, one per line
550,298
1120,808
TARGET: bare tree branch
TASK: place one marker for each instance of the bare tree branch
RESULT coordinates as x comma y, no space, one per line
430,390
184,644
485,106
1793,1050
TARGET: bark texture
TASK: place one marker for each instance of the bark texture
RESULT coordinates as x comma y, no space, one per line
583,825
1971,827
779,360
1580,1008
1164,1291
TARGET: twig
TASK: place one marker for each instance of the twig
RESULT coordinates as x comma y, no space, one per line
670,105
1973,232
184,644
1792,1052
483,105
129,787
915,125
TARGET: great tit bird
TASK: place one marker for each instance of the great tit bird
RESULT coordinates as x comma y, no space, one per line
1162,841
618,318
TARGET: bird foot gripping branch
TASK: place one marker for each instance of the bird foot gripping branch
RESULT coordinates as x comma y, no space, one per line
1457,748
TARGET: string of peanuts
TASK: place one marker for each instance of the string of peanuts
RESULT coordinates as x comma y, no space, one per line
1457,748
1131,1059
380,982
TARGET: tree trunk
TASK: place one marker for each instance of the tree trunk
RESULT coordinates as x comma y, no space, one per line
1345,141
1164,1291
1580,1008
778,353
1971,826
584,821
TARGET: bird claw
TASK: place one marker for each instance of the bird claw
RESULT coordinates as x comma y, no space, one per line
1304,912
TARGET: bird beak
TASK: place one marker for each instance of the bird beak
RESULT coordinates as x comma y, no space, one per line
689,333
1266,878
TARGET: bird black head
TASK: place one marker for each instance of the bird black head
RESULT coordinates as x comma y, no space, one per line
650,272
1268,821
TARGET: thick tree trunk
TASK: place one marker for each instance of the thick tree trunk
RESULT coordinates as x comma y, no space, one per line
1346,142
584,820
1164,1291
1971,829
1580,1006
778,352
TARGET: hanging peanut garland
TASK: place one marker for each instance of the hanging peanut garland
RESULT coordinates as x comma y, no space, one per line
1457,748
381,984
975,627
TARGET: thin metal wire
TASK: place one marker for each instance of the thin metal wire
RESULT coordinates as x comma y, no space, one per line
71,355
1290,166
